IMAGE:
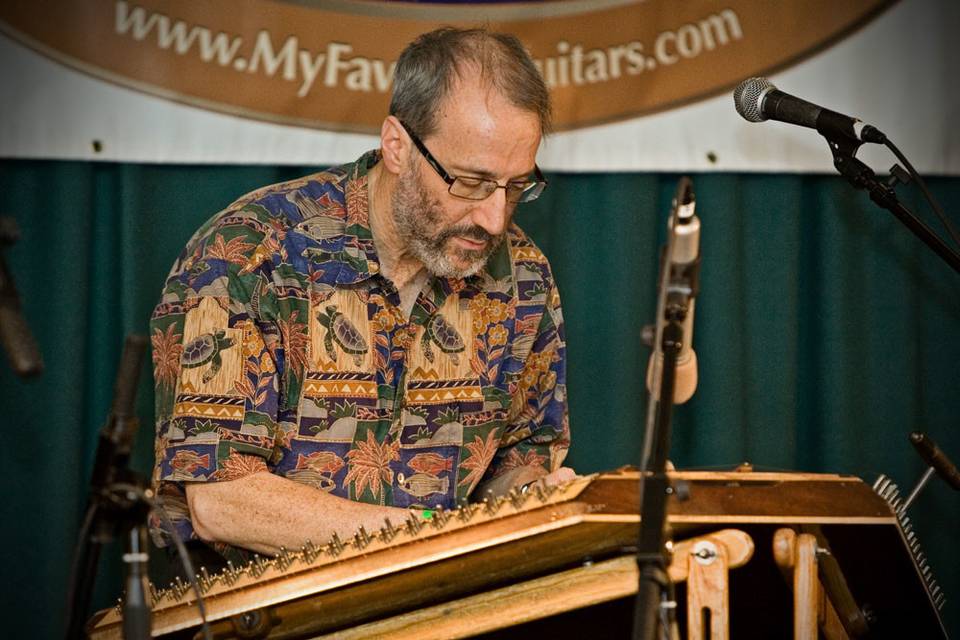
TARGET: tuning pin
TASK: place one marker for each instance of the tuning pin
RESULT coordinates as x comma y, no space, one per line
881,483
258,566
413,525
440,517
180,588
388,532
228,574
336,546
539,491
231,574
361,538
466,511
517,497
154,594
491,505
203,580
310,552
283,560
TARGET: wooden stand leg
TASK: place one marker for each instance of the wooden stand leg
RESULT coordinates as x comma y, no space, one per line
796,555
704,562
806,588
797,558
708,596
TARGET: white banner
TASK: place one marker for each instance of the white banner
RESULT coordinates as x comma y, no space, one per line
898,72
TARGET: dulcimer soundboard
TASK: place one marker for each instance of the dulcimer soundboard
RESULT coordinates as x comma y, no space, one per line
346,583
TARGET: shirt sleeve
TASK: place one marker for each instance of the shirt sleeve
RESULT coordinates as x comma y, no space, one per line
538,434
215,368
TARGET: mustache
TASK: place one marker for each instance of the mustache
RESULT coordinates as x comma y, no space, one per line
473,232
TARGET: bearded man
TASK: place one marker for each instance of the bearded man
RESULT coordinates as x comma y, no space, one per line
375,338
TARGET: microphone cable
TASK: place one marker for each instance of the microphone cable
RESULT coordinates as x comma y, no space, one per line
926,192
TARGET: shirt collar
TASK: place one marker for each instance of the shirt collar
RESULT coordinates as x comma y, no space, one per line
361,261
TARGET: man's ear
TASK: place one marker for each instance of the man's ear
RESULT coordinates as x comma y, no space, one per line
395,145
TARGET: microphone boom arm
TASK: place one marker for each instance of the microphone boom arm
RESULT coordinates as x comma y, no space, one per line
861,176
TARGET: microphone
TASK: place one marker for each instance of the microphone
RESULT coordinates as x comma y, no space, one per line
15,335
757,99
684,276
117,435
935,458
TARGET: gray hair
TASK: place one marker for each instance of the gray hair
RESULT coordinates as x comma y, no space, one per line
429,66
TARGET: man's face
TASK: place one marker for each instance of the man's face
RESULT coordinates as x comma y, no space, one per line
479,134
446,248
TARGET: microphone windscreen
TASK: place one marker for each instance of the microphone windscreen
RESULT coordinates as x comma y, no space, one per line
17,340
746,97
685,377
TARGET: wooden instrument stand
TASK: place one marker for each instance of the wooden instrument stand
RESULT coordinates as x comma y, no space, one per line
703,562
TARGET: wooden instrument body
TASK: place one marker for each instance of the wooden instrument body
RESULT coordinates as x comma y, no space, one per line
486,546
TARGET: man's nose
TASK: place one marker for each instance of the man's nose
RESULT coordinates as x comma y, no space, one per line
493,213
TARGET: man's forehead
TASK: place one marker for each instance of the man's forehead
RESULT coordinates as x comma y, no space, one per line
474,104
479,131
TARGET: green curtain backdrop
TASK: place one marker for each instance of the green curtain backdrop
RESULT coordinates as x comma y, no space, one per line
825,334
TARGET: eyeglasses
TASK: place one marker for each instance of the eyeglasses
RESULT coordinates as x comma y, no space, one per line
474,188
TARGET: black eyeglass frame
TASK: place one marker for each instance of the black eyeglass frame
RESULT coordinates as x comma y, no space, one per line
536,186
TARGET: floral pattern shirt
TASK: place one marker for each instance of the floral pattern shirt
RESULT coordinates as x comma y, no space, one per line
277,345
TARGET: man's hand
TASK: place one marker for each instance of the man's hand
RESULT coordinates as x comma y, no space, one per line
561,475
523,476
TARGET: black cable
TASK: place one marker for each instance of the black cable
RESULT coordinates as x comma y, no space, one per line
926,192
186,562
79,555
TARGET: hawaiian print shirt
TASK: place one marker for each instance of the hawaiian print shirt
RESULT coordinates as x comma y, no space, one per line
277,345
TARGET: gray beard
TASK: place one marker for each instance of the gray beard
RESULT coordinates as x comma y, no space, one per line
418,220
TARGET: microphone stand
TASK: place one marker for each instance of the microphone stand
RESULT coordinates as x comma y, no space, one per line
861,176
651,549
118,505
654,602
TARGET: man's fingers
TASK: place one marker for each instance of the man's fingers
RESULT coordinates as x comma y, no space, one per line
561,475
